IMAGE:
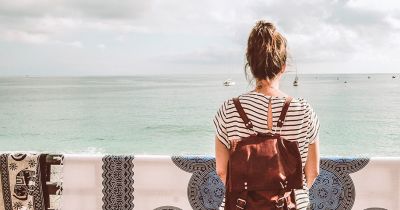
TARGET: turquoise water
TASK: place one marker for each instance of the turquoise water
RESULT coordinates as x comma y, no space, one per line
173,114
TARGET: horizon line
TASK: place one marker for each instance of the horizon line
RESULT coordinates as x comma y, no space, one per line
183,74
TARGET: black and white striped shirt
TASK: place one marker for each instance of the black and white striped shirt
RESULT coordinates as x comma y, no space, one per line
301,124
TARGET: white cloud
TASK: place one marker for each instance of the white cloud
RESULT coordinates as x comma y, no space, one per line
206,32
78,8
203,56
75,44
382,6
393,21
101,46
22,36
120,38
40,21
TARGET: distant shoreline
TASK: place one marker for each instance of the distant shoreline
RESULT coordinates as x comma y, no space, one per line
183,75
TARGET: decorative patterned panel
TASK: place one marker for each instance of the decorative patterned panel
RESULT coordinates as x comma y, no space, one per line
334,188
205,188
118,183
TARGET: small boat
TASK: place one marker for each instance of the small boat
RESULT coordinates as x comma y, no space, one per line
345,81
369,77
393,76
296,81
229,82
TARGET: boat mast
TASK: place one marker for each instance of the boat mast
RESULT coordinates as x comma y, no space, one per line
296,78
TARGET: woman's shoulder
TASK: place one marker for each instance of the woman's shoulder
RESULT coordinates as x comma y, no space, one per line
255,96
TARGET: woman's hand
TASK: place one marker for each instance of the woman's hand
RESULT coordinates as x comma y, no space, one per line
311,169
221,159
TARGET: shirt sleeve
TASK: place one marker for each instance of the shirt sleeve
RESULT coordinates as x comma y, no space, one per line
312,124
220,125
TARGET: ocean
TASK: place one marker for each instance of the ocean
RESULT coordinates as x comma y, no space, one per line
172,114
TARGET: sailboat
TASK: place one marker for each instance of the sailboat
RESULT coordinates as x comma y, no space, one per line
296,79
229,82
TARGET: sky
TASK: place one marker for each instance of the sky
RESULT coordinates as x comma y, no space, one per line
131,37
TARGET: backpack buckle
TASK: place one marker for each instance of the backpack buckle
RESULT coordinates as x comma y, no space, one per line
280,202
240,203
248,124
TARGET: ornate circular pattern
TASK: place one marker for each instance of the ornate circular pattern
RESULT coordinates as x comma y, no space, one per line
212,191
326,192
205,188
348,165
191,164
334,188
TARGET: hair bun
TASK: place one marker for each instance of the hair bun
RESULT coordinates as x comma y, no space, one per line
264,24
266,51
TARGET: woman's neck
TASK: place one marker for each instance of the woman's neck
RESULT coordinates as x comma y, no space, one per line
269,88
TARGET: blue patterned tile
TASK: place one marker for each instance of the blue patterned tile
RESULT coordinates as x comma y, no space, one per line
205,188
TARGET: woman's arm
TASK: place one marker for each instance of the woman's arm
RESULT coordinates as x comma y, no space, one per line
221,159
312,164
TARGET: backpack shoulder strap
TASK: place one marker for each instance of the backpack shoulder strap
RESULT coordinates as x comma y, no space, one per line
242,114
284,111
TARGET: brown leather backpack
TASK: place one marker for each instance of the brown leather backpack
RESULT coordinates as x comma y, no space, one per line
263,169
